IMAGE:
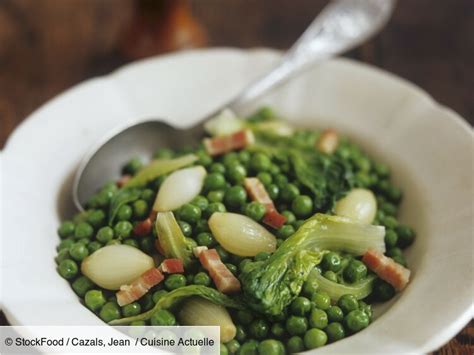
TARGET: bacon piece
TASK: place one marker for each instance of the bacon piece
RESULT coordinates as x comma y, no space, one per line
143,228
198,250
172,266
258,193
225,281
139,287
328,141
274,219
387,269
224,144
123,180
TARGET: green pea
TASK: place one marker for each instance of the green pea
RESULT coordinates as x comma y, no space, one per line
285,231
362,179
321,300
163,153
240,333
157,295
124,213
244,264
295,344
356,320
63,254
83,241
302,206
235,196
388,208
390,222
217,168
314,338
400,260
78,251
259,328
289,193
147,302
281,181
215,196
113,242
273,191
244,317
147,244
236,173
189,213
355,271
148,195
297,224
335,331
204,159
244,156
65,244
103,198
96,218
265,178
278,330
175,281
94,300
214,181
310,286
393,193
205,239
230,159
300,306
367,308
202,278
296,325
68,269
255,210
66,229
383,291
83,230
331,261
348,303
123,229
290,217
132,166
335,314
94,246
201,226
391,238
223,254
163,317
260,162
81,285
330,275
140,209
271,347
131,242
131,309
105,234
318,319
406,235
233,346
381,170
201,202
262,256
224,350
185,228
250,347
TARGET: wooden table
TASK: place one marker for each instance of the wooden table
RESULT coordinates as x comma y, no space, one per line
48,45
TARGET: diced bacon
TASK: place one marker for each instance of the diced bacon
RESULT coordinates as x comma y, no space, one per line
198,250
228,143
274,219
387,269
225,281
328,141
143,228
123,180
139,287
172,266
258,193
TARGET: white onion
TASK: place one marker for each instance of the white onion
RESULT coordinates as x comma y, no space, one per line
199,311
179,188
241,235
115,265
359,205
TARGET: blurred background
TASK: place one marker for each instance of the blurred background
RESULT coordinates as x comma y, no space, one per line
47,46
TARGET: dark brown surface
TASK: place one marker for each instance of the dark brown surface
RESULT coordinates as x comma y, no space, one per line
48,45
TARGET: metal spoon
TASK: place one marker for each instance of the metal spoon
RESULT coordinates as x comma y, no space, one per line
341,26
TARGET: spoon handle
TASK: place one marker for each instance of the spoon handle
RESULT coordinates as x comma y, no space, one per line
341,26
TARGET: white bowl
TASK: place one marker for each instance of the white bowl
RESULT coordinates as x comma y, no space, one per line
428,146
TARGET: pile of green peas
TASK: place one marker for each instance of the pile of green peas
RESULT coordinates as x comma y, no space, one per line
310,321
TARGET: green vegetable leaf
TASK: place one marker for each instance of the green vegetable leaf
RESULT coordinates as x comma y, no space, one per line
122,197
269,286
171,238
175,296
159,167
